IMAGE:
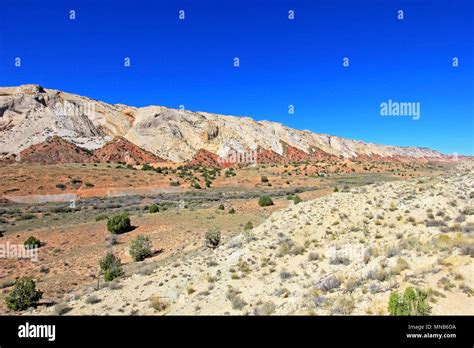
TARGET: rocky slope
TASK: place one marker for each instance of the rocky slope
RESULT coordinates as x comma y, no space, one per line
29,114
341,254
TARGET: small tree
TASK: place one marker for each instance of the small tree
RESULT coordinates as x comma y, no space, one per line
140,248
32,243
111,267
213,237
24,295
265,201
119,223
412,302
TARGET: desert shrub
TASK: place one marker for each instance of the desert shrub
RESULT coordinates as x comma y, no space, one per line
266,308
111,267
401,265
154,208
339,260
24,295
61,186
263,178
467,250
93,299
265,201
236,301
32,243
221,207
231,211
328,283
76,181
140,248
468,211
412,302
101,217
157,303
61,309
343,305
146,166
297,199
435,223
196,185
313,256
213,237
119,223
27,216
248,226
336,189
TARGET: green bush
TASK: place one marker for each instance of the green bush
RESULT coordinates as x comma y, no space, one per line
221,207
154,208
263,178
213,237
24,295
196,185
119,223
336,189
231,211
265,201
140,248
32,243
111,267
297,199
412,302
248,226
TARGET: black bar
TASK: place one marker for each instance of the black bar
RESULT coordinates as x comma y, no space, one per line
228,330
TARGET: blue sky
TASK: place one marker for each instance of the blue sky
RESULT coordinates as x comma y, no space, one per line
282,62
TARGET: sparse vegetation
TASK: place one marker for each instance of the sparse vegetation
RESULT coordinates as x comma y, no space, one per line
111,267
412,302
24,295
119,223
265,201
213,238
140,248
32,243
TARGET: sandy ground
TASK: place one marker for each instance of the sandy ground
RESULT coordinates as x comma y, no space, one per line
339,254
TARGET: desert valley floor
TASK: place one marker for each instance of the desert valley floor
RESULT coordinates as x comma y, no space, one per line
354,235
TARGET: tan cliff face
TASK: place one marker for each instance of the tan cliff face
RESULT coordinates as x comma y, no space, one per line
29,114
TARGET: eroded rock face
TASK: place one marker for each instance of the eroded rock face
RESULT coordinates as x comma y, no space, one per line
52,151
120,150
29,114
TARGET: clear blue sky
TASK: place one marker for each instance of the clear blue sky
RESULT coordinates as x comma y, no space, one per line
283,62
